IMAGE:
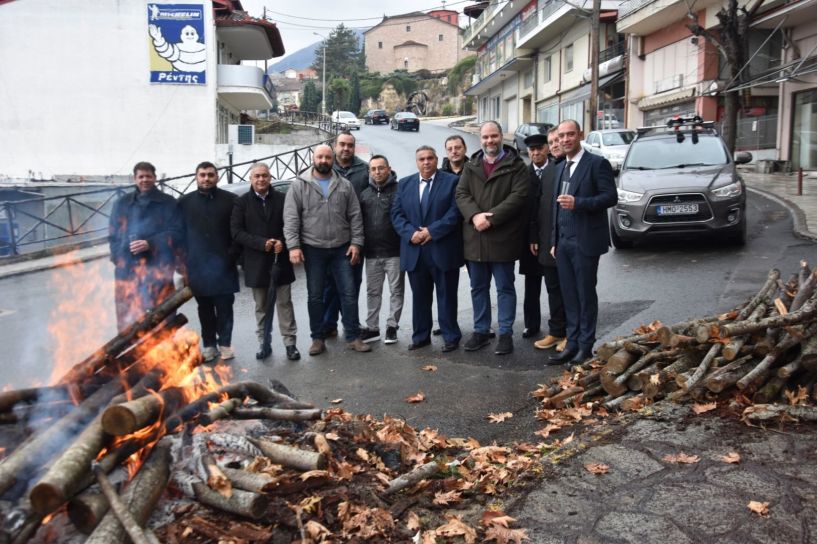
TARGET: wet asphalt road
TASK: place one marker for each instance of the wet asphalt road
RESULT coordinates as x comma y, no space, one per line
670,281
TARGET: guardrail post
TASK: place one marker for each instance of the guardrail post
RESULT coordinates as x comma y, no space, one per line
10,220
230,167
800,182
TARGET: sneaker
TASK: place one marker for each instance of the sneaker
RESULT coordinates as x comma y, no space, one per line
391,335
318,346
370,335
358,345
477,341
504,345
209,354
227,352
293,354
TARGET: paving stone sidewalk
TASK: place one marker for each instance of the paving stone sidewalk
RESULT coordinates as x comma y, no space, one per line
645,499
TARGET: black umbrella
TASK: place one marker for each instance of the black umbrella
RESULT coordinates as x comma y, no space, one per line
272,297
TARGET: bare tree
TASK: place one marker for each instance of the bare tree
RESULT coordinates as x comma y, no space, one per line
732,41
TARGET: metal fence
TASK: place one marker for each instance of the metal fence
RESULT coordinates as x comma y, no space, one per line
36,224
756,132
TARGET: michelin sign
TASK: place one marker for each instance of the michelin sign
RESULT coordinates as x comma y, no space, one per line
177,51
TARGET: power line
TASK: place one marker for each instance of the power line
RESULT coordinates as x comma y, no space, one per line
443,6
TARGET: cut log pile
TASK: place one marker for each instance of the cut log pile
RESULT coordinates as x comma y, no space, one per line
760,357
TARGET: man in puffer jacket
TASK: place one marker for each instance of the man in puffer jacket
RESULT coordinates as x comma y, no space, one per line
382,250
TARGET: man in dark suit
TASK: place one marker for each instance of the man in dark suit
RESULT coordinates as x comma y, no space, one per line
426,217
257,224
580,236
543,175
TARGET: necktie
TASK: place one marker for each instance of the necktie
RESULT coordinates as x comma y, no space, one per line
424,197
539,172
565,188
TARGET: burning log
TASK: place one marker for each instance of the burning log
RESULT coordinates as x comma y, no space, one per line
129,523
291,457
221,411
86,510
129,417
141,496
126,338
277,414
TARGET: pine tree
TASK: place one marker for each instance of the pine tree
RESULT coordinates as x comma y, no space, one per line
342,54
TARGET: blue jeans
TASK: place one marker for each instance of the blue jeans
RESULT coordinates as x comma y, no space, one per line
321,263
503,274
331,299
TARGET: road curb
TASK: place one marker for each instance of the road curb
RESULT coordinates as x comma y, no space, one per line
800,229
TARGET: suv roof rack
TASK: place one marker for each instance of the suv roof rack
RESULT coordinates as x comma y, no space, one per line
694,122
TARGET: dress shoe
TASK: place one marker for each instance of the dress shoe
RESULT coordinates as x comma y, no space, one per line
504,345
437,332
264,351
528,332
358,345
549,341
450,346
293,354
318,346
564,357
477,341
418,345
560,347
332,333
580,357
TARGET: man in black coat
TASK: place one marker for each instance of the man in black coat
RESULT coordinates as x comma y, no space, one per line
542,170
257,224
143,235
209,257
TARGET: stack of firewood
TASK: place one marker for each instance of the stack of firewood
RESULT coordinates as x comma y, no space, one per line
764,354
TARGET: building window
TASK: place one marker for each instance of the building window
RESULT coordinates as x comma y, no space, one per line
569,58
440,37
408,28
405,63
547,66
380,45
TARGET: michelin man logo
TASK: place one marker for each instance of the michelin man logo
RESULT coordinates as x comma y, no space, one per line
188,55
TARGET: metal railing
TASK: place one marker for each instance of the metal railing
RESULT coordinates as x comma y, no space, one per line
631,6
611,52
42,223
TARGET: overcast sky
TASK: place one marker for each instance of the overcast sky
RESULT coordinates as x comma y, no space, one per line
299,19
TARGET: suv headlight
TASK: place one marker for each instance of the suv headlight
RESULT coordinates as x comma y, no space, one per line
728,191
625,197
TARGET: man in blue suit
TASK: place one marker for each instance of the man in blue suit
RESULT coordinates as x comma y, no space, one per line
580,236
426,218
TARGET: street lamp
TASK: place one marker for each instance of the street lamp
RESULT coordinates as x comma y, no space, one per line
323,85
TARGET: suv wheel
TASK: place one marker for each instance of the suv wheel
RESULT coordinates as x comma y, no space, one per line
618,242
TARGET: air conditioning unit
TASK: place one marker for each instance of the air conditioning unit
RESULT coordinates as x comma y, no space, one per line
241,134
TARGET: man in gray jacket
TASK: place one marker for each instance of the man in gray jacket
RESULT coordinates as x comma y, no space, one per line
323,227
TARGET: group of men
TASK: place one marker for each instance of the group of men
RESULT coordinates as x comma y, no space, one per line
342,215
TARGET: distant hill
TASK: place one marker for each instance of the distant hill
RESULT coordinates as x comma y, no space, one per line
302,58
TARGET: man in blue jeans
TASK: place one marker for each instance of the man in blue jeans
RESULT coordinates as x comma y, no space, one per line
323,227
492,197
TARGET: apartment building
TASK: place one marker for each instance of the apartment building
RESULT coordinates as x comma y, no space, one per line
105,84
414,41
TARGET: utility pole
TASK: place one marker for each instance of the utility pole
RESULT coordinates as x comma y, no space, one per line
593,104
323,84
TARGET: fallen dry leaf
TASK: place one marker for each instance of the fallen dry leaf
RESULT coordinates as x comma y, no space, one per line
799,397
759,508
655,379
499,417
430,368
681,458
446,498
503,535
316,531
456,527
413,521
702,408
335,401
597,468
413,399
732,457
495,517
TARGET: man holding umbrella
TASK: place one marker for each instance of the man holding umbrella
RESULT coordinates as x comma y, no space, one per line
257,224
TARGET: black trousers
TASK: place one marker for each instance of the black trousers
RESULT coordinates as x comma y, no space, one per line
531,307
216,318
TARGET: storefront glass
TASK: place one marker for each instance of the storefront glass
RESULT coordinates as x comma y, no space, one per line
804,131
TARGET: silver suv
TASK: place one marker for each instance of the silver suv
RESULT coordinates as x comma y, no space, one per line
679,180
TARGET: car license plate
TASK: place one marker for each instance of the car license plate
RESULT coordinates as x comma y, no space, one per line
678,209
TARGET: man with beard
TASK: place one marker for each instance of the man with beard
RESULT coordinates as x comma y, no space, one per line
356,170
382,250
542,171
491,196
144,233
455,155
581,236
324,231
209,257
257,224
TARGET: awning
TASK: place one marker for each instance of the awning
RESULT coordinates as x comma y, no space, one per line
510,68
663,99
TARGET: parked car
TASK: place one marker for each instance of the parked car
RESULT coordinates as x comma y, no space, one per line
679,180
345,120
525,130
610,144
405,120
376,117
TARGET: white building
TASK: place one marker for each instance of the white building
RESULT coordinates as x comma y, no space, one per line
76,97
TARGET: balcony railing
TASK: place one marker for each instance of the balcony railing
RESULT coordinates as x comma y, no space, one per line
611,52
541,16
631,6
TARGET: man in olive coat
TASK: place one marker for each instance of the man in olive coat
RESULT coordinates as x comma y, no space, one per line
209,257
492,197
258,225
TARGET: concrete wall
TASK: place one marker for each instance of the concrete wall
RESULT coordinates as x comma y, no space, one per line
439,55
76,94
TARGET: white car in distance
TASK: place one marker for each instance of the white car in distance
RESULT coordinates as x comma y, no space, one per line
345,120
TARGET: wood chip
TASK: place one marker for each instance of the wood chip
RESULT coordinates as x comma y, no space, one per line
759,508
